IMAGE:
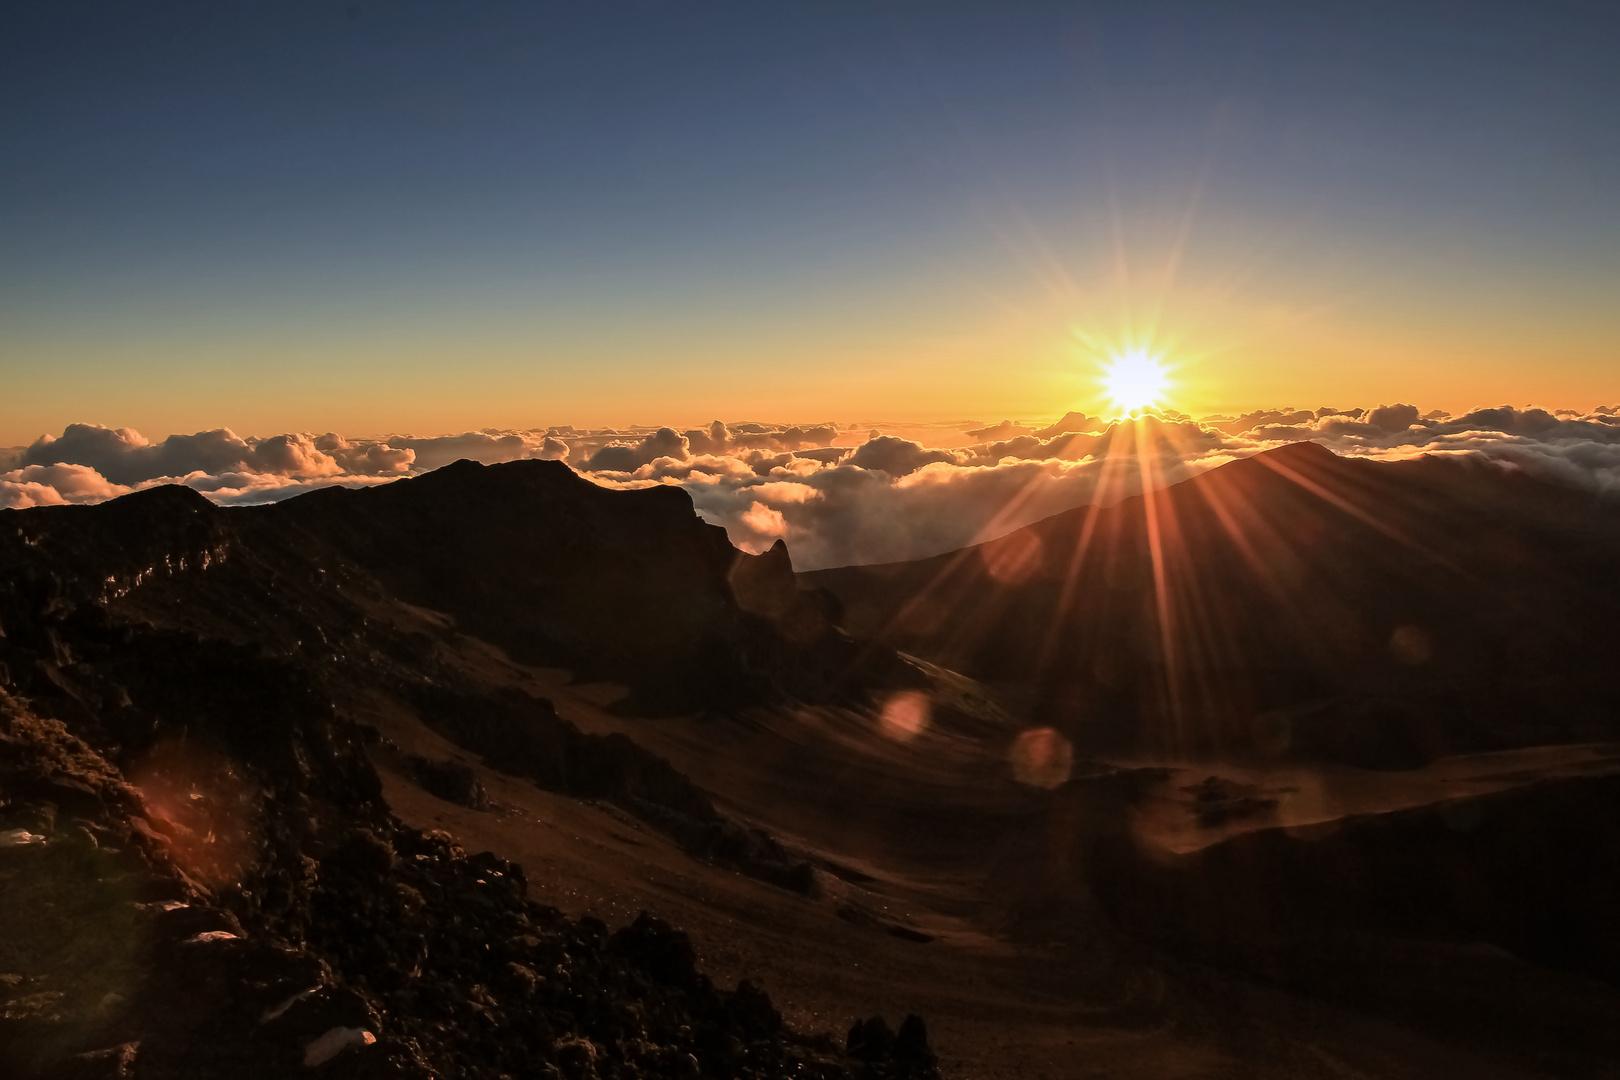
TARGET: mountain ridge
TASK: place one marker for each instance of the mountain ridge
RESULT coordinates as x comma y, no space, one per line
1279,581
185,692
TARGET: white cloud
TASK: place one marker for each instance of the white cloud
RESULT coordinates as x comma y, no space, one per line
889,498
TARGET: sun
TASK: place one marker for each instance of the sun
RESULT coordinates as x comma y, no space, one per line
1135,380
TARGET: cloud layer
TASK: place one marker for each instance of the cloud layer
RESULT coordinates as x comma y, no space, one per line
836,495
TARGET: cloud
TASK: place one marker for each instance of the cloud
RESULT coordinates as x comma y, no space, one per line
1072,423
124,456
1118,438
860,515
826,454
487,447
1568,446
795,437
887,499
894,499
22,494
1028,448
366,458
763,521
898,457
1391,426
616,457
116,452
718,438
1007,429
713,441
54,485
1265,418
1393,417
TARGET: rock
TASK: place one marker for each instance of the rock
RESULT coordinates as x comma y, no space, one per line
451,781
913,1056
870,1040
751,1009
658,949
109,1063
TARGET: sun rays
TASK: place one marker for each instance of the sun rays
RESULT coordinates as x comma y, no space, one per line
1152,576
1134,380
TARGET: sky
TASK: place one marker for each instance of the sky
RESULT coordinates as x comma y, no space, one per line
406,216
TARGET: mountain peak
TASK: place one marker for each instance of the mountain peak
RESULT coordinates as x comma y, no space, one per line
1305,450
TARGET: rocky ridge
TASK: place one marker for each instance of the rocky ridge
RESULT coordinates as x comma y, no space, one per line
199,870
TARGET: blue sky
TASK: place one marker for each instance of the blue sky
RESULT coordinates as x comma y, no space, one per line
422,214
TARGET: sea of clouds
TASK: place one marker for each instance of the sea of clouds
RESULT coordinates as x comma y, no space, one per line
838,495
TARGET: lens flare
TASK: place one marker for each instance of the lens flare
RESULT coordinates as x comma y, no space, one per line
905,715
1135,380
1040,757
202,807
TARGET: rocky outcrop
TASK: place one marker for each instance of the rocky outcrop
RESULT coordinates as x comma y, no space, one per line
765,585
351,946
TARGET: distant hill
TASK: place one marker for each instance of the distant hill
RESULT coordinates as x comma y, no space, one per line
1294,603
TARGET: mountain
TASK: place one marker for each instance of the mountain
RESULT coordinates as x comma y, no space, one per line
1331,722
199,873
1293,604
1304,768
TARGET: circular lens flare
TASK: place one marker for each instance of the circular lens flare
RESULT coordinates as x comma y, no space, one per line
1135,380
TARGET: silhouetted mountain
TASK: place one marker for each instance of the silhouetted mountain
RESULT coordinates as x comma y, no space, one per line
1301,607
200,877
1293,603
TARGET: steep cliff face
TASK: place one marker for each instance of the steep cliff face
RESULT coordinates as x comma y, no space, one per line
624,585
186,785
537,559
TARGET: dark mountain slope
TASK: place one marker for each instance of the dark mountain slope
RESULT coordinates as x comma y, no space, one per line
628,585
185,786
1299,602
537,559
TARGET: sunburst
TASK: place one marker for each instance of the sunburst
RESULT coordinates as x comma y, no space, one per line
1135,379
